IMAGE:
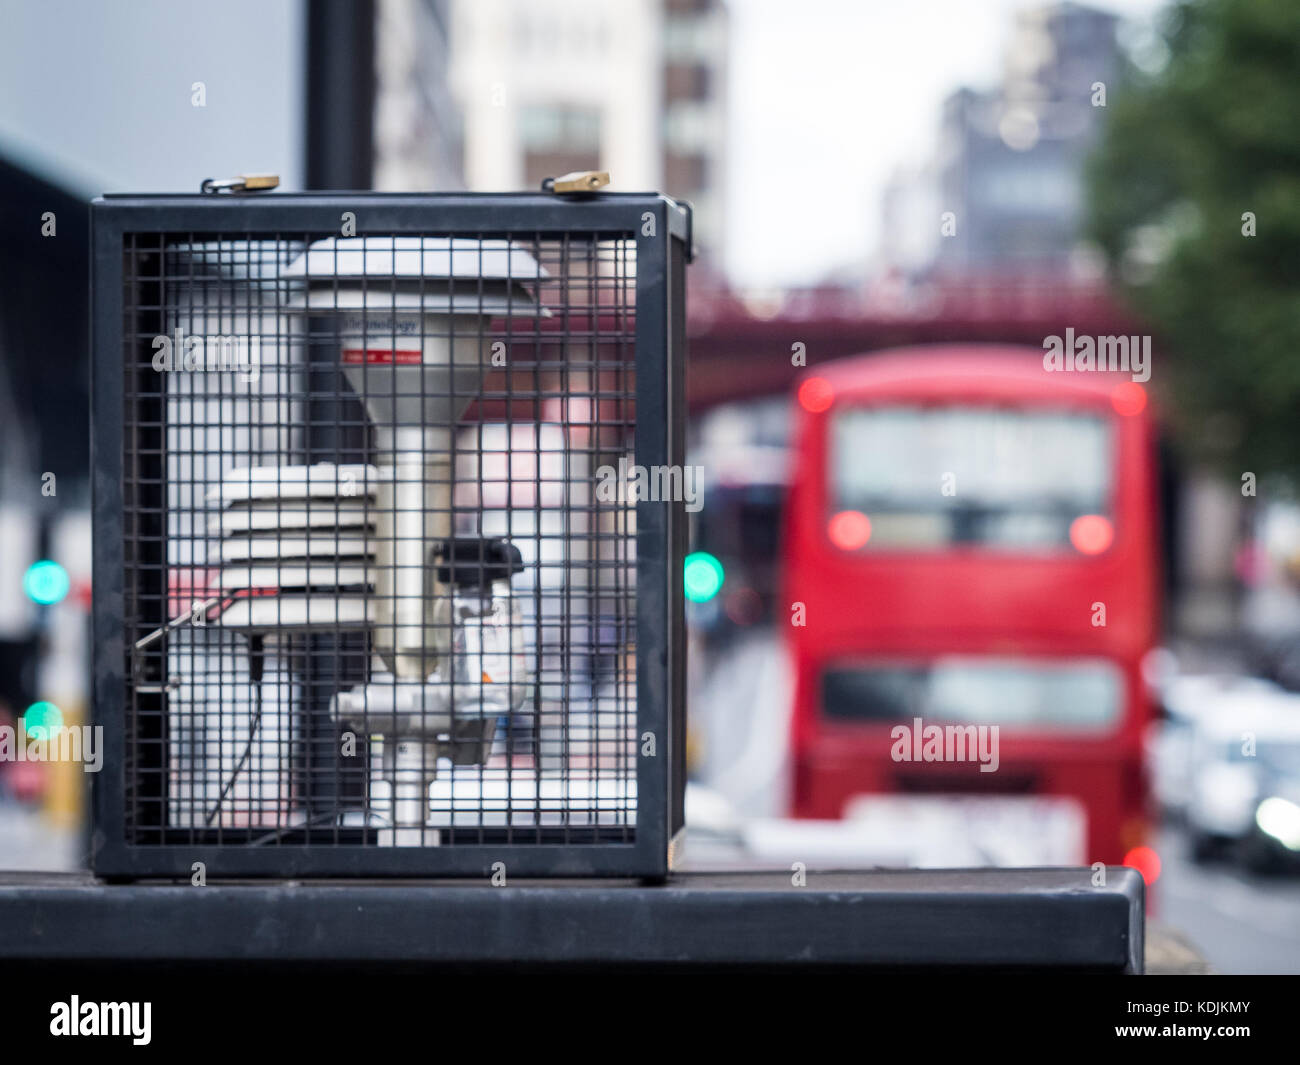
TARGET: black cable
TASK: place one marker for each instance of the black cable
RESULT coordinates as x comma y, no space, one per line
256,663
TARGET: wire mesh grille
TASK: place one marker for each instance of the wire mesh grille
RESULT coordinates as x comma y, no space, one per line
379,544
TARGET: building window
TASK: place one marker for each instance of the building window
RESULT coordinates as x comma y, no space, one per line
559,128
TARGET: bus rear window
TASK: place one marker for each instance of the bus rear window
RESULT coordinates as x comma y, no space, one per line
1013,693
1001,478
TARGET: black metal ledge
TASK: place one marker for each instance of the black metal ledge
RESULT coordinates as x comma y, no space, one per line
1007,919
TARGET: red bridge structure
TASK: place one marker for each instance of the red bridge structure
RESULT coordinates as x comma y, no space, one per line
744,347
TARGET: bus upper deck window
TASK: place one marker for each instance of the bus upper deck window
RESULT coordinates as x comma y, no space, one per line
934,477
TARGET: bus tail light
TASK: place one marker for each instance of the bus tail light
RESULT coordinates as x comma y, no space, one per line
1145,861
1091,534
849,530
1128,399
816,395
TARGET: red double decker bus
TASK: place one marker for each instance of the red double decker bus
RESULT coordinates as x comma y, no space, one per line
972,542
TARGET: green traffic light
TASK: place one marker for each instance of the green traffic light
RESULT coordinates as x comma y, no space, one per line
46,582
42,721
703,577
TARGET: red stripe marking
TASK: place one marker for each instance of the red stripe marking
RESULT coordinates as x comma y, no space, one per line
381,356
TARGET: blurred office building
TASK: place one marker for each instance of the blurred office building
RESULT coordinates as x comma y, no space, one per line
1009,161
636,88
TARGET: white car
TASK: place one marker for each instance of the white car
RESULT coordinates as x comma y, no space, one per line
1186,700
1245,780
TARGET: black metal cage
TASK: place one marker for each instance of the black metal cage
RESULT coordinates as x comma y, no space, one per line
389,528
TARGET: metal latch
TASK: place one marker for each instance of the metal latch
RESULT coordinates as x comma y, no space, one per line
243,183
578,181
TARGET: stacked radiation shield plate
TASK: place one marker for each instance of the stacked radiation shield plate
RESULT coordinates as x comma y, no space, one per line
296,546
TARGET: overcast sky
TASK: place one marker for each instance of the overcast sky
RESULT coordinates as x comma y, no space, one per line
827,98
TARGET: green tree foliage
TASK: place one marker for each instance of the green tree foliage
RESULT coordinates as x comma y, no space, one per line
1188,150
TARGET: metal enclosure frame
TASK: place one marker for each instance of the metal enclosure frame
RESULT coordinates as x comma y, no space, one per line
662,232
